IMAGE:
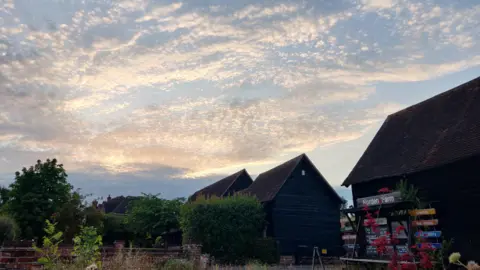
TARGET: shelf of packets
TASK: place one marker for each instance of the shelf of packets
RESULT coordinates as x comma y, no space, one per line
348,235
371,236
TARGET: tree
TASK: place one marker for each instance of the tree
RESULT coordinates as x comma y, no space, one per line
71,216
227,228
36,194
94,218
4,195
151,215
8,229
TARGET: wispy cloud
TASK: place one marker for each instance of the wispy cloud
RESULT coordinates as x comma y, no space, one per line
133,84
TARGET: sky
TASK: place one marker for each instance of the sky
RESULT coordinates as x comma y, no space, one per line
165,97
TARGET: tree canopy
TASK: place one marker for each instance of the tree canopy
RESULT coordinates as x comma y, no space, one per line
151,215
36,194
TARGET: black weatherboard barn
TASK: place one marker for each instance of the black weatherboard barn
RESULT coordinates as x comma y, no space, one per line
434,145
302,209
226,186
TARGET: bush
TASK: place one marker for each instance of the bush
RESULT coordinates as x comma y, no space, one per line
87,246
114,228
8,229
226,228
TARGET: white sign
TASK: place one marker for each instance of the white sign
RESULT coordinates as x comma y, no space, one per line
379,199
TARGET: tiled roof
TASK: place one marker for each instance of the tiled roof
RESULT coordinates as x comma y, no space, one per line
435,132
218,188
268,184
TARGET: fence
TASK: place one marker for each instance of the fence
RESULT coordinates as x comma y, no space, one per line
23,256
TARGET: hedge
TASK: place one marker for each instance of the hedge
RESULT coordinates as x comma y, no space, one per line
227,228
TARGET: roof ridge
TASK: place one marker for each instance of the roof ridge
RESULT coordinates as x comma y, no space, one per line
234,179
446,92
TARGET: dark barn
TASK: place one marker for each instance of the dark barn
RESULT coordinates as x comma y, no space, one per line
302,209
435,146
226,186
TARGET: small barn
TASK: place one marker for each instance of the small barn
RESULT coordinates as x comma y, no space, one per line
434,146
226,186
302,209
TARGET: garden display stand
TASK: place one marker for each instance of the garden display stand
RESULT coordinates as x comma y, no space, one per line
391,212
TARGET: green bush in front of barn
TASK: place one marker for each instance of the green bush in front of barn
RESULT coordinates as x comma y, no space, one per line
227,228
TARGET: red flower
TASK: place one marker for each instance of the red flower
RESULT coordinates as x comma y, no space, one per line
425,261
406,257
384,190
365,208
377,213
408,266
399,229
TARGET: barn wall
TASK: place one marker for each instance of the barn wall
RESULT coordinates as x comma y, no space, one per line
454,190
242,182
305,212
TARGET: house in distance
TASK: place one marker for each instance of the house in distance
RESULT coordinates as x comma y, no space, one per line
225,187
434,146
302,209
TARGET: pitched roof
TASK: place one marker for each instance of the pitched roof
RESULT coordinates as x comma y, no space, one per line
220,187
432,133
111,204
269,183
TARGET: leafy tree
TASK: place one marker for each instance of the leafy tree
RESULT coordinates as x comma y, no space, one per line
115,228
226,228
344,204
94,218
71,216
151,215
4,196
36,194
8,229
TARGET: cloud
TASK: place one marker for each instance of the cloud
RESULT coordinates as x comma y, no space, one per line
129,86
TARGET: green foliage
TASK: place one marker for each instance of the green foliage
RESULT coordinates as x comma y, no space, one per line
226,228
8,229
94,218
441,255
176,264
36,194
150,215
409,192
49,254
4,196
70,216
87,246
114,228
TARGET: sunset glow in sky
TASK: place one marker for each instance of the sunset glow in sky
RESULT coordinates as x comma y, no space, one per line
165,97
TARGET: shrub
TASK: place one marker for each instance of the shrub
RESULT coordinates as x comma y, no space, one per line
114,228
8,229
49,254
87,246
226,228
